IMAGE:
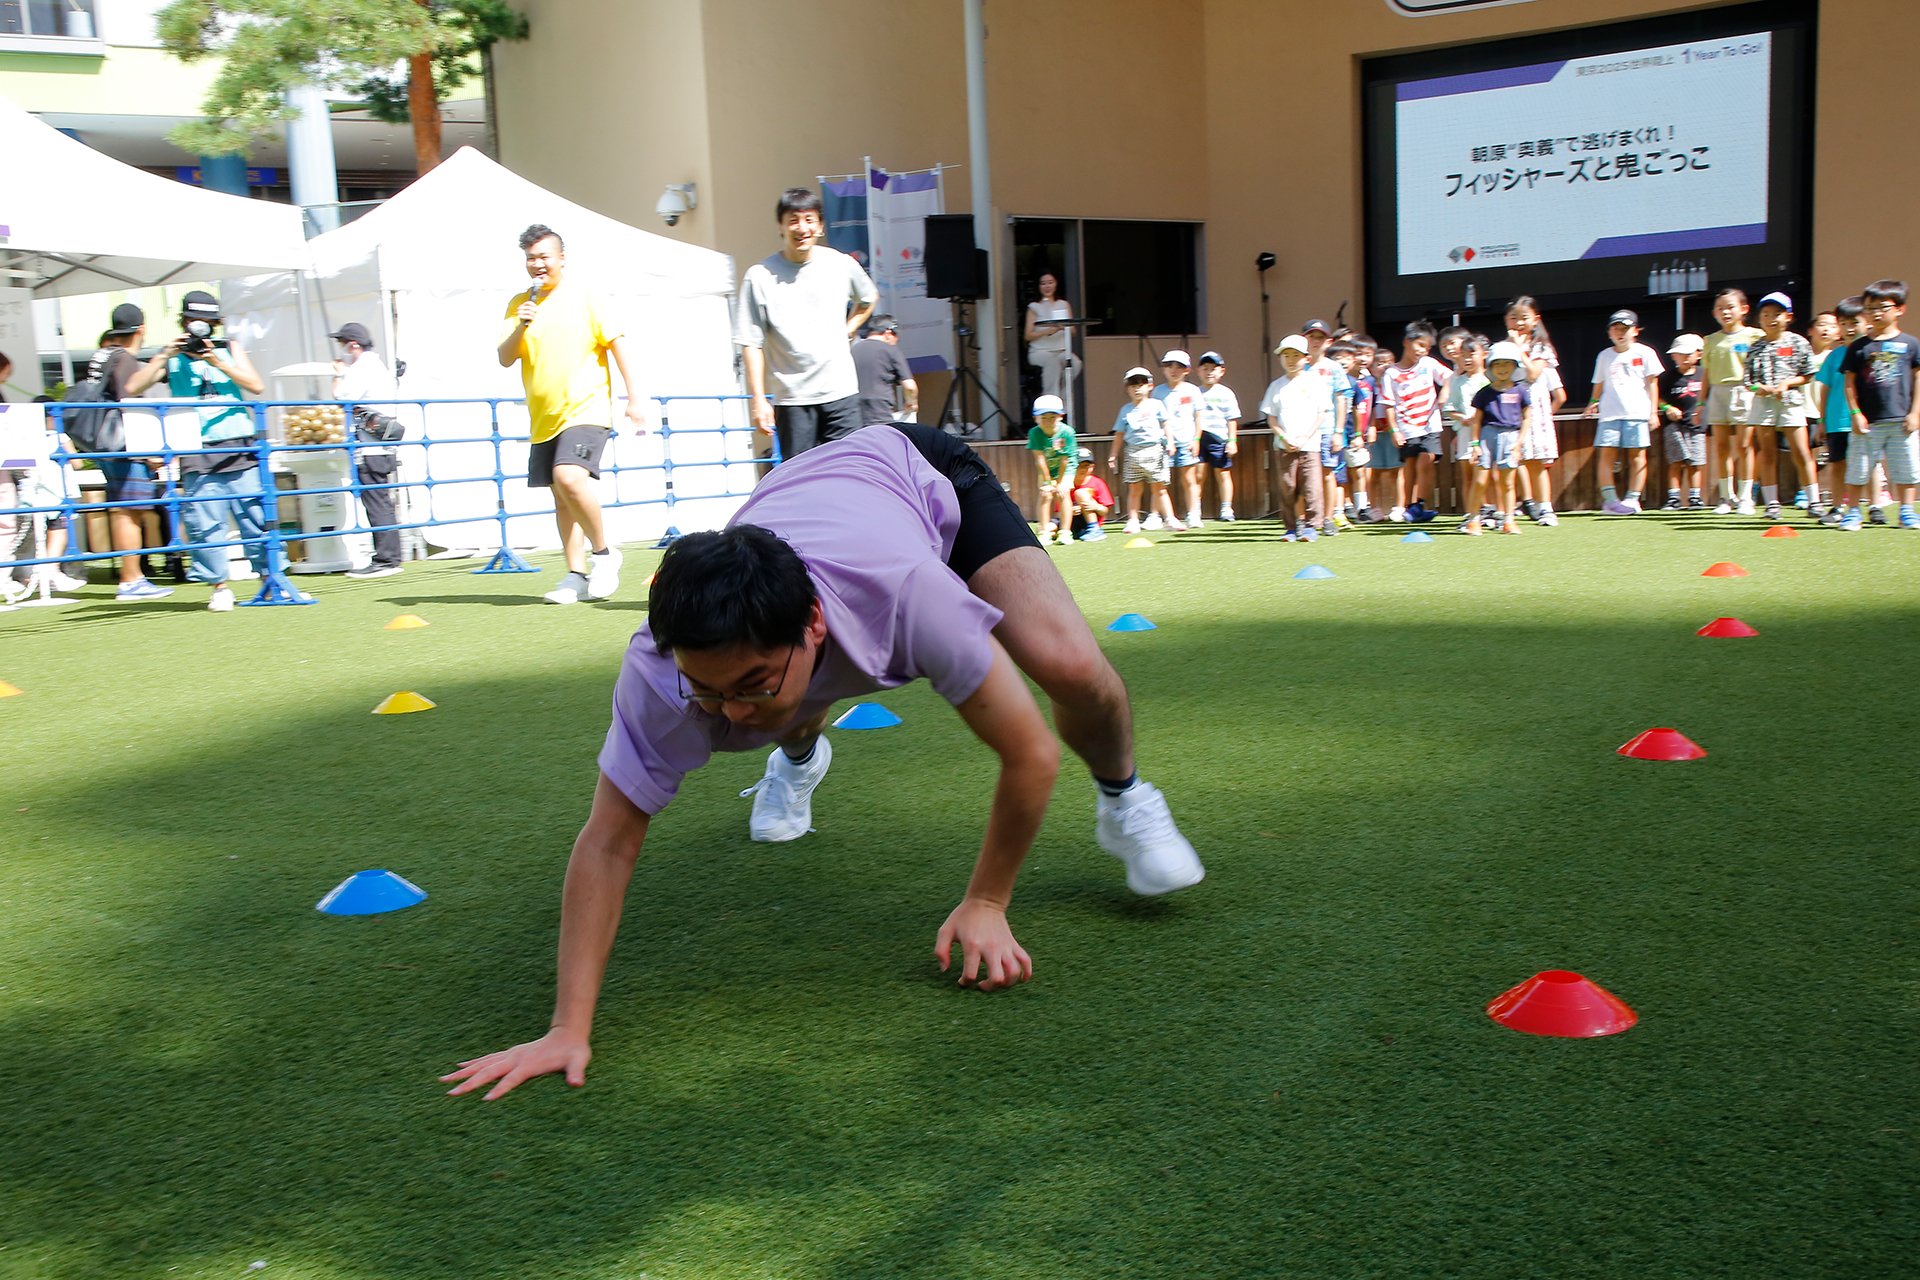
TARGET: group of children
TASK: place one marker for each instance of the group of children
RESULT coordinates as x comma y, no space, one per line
1347,416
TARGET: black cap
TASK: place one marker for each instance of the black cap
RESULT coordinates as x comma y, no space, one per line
127,318
354,331
200,305
1321,325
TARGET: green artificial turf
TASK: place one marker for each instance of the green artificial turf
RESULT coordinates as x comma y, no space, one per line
1403,783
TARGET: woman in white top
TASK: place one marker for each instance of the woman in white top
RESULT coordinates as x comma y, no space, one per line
1050,346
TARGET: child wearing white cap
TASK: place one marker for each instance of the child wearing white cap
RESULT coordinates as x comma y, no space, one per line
1184,403
1299,408
1626,380
1055,450
1140,438
1682,388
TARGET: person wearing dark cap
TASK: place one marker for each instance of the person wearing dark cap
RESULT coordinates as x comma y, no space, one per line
885,375
362,378
114,366
226,482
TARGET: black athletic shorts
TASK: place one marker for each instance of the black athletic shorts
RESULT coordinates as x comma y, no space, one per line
1423,444
990,523
802,426
574,447
1837,447
1213,452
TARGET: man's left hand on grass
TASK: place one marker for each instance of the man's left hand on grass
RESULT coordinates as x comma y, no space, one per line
992,958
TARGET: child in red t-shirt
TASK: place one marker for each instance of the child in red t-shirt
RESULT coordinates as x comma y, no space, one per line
1091,499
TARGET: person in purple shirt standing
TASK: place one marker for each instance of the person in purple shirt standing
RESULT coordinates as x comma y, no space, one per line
885,557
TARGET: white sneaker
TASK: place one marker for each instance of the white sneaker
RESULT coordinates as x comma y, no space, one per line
1745,508
1137,828
569,590
1133,526
1153,523
603,573
221,600
1549,519
64,581
1194,521
1398,515
783,798
1724,509
1226,515
1175,526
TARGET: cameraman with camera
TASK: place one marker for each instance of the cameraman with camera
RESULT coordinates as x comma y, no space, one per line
360,375
199,366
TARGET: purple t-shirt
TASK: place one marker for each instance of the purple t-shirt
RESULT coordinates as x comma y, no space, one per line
874,524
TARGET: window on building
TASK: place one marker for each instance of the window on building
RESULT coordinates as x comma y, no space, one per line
1141,277
70,18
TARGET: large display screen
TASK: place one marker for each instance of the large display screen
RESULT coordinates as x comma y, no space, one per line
1582,171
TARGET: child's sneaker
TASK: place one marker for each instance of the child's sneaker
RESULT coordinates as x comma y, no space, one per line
1397,516
1773,511
1724,509
1615,507
140,589
1549,519
1226,515
1471,527
1672,503
1696,504
1341,522
1309,534
1133,525
1908,518
1745,508
1876,515
1509,525
1093,533
1328,529
1289,536
221,601
1194,521
1153,523
1174,526
1851,521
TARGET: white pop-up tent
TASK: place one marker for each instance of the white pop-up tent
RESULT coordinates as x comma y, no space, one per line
430,273
75,221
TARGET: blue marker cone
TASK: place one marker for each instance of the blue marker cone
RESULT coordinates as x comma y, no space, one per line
1315,571
1418,536
867,715
1131,622
666,539
369,893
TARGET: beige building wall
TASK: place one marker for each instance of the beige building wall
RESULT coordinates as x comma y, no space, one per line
1241,114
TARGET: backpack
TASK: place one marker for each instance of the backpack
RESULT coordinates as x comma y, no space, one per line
95,429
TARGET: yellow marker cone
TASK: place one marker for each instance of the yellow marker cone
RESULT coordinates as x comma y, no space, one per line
406,622
395,704
1138,542
648,582
8,691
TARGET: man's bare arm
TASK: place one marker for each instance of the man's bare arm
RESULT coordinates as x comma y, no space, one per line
590,904
912,390
1002,714
753,363
857,317
627,361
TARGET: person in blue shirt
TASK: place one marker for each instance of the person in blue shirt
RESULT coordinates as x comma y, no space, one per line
199,366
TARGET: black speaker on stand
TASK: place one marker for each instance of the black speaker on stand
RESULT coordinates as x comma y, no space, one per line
958,271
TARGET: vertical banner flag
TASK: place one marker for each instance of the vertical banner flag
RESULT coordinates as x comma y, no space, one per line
845,204
897,209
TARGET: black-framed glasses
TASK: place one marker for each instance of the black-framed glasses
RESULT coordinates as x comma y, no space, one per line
713,701
1880,306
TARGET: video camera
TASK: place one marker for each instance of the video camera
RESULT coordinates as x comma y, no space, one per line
371,427
200,339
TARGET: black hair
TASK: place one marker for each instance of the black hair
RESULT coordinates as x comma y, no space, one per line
1731,292
1450,332
795,200
881,324
1477,342
539,231
1417,330
1539,321
1341,347
1849,308
1894,291
736,586
1363,342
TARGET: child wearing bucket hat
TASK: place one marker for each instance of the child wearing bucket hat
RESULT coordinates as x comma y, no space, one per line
1054,450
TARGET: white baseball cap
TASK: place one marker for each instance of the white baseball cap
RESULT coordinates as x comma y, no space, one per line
1687,342
1176,356
1292,342
1136,372
1506,351
1049,404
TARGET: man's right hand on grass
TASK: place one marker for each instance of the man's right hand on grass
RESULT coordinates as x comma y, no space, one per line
558,1050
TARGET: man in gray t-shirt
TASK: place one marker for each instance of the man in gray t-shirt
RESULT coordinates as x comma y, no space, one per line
798,310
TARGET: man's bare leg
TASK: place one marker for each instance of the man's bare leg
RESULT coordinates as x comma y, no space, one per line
1048,638
576,509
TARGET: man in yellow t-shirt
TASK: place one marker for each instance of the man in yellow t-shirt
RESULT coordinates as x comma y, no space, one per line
561,334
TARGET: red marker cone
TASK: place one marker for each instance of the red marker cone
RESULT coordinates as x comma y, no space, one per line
1725,569
1781,531
1726,629
1561,1003
1662,744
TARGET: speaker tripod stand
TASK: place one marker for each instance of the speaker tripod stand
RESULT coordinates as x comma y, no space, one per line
953,411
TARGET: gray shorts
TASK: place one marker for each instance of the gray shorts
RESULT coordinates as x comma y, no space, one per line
1148,463
1686,446
1885,444
1727,404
